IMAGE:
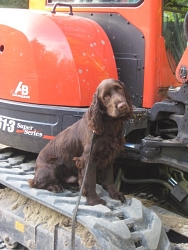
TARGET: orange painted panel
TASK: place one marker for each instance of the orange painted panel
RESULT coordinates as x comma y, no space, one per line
147,17
52,59
86,62
182,69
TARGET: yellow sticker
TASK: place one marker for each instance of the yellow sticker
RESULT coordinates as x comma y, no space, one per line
19,226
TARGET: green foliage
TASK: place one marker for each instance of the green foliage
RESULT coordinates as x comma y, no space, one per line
173,20
22,4
176,5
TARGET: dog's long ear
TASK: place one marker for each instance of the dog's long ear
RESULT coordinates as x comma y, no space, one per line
95,116
129,102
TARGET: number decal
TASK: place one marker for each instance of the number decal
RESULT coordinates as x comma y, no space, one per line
11,126
4,121
7,125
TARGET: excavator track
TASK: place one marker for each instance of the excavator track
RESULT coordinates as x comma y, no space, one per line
117,225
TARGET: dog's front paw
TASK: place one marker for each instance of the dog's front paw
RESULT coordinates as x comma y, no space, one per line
95,201
118,196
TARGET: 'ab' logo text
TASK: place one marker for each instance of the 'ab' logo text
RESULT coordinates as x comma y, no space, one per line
21,91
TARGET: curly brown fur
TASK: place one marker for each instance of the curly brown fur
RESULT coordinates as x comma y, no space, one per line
95,121
63,160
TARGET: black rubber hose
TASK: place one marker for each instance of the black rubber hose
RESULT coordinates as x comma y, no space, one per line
186,26
164,183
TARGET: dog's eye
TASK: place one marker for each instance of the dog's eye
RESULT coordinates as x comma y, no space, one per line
120,90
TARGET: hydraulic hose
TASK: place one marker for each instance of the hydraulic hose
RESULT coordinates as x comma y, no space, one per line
130,181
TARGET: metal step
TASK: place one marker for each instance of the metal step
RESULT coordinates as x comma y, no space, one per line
117,225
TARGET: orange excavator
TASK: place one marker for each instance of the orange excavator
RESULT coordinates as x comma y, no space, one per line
52,58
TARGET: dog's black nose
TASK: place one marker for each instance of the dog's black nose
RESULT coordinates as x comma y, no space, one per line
122,106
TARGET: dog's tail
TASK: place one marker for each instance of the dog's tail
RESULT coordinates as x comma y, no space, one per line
32,183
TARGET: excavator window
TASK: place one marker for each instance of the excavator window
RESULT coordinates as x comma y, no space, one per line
173,18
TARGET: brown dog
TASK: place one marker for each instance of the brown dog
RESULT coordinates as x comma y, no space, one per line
62,161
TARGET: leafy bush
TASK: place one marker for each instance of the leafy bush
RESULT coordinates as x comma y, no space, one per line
23,4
